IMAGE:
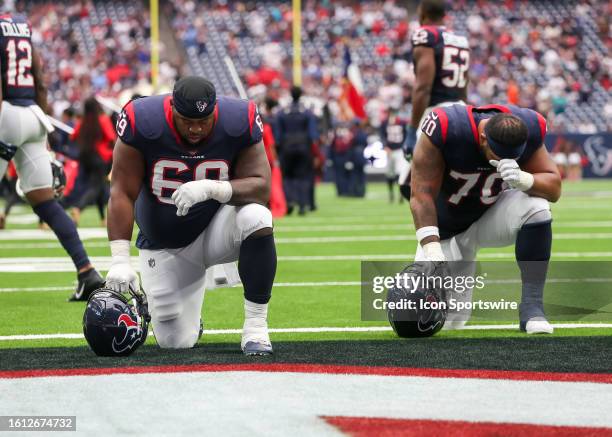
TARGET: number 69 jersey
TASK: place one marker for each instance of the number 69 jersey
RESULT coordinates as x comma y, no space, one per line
471,185
147,125
16,60
452,56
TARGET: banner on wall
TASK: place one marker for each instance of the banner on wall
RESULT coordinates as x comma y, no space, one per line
594,149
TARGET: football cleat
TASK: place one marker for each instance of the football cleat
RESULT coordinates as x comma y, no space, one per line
537,325
255,337
87,283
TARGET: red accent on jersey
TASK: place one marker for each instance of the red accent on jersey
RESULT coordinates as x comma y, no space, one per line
470,110
443,123
129,111
169,119
434,30
542,122
251,116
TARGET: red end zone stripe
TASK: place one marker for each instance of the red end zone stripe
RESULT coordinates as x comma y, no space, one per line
366,427
319,368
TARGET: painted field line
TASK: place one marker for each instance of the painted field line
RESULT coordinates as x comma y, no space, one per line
64,264
322,330
313,240
332,284
39,234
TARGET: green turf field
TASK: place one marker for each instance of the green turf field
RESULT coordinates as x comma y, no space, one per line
318,268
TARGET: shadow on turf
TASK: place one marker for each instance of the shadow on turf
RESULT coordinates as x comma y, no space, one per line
564,354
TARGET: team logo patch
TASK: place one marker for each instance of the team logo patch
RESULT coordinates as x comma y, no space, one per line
151,262
201,105
131,337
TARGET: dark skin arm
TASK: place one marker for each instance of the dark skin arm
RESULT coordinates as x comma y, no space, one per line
252,176
425,71
425,180
39,82
546,177
127,177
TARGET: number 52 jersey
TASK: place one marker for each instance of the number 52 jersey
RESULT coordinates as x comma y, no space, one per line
147,125
470,184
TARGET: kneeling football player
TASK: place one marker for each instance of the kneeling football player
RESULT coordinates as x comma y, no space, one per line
482,177
192,170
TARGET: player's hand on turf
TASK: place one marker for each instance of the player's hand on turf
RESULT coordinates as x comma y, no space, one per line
512,174
409,142
121,276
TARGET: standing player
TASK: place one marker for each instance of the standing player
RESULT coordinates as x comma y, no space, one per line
441,62
483,178
193,171
23,137
392,132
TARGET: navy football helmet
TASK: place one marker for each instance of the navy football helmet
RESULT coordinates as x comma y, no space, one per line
114,326
418,311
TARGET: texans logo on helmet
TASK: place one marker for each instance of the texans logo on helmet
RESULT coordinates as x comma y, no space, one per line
131,337
426,320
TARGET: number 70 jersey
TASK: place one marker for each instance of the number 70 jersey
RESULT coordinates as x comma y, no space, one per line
471,185
452,56
16,60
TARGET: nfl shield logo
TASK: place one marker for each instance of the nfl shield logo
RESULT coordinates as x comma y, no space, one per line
201,105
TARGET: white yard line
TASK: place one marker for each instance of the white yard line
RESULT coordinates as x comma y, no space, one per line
64,264
322,330
328,284
310,240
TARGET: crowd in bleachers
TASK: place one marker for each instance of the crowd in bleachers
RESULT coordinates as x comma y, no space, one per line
547,55
91,47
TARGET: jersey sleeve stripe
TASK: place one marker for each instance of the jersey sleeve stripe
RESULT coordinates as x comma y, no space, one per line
473,123
443,123
542,122
129,110
251,116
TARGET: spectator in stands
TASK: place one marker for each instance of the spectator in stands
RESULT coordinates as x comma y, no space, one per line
95,136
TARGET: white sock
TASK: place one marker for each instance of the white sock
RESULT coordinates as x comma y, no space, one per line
254,310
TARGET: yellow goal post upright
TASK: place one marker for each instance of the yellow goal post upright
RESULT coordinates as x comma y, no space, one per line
154,18
297,42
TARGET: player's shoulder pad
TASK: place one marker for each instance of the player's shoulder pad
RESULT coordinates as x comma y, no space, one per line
239,118
142,118
536,123
436,126
426,36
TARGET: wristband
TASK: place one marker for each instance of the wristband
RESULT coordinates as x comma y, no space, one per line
427,231
120,250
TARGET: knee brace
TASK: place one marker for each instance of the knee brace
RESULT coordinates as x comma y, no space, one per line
251,218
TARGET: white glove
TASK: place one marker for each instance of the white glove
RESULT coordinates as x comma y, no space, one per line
190,193
433,251
121,276
512,174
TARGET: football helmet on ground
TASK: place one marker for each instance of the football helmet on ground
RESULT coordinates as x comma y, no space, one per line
114,326
418,309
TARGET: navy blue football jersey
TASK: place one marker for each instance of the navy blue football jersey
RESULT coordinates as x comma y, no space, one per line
147,125
452,55
471,185
16,60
